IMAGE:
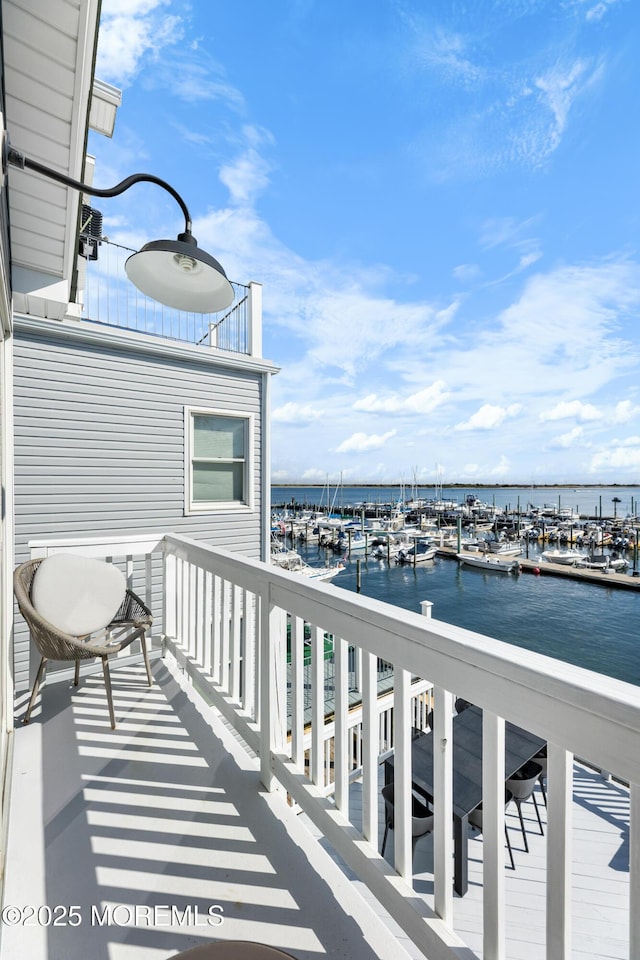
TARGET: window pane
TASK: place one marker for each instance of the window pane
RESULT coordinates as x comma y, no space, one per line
218,437
218,482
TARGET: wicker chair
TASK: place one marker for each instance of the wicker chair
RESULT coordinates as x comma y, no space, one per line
130,623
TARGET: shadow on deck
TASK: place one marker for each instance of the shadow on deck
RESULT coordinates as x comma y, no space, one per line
161,837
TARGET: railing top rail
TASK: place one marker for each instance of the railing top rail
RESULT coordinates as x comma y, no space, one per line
591,715
111,546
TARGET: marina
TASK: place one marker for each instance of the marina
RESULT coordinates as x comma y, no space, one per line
585,615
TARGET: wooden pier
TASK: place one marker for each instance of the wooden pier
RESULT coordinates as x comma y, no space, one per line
541,567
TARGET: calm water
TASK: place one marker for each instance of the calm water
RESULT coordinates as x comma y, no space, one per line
591,626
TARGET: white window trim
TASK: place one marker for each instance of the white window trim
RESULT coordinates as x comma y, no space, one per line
191,507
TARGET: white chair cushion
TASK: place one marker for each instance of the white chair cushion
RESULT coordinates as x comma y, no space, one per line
77,594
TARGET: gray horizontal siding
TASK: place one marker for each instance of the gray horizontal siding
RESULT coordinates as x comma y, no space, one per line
99,445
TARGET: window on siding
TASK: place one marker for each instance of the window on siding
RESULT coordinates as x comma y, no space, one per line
218,461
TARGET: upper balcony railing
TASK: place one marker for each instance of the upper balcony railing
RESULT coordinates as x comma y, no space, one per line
108,297
237,628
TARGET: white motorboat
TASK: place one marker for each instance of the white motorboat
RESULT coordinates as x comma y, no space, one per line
505,548
567,557
421,551
603,562
292,561
489,561
392,545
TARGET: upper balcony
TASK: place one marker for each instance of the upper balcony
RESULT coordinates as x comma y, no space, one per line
221,789
106,296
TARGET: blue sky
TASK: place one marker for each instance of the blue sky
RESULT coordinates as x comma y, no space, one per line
441,200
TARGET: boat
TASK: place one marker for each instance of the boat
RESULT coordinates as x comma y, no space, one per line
421,551
392,545
505,548
566,557
292,561
489,561
604,562
352,539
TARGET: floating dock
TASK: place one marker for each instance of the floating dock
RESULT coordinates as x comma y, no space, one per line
537,566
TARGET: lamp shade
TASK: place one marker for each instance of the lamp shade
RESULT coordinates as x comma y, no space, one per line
180,275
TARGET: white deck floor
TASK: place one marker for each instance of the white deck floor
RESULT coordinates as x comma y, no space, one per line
167,811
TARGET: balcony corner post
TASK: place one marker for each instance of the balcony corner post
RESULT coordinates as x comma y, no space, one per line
254,327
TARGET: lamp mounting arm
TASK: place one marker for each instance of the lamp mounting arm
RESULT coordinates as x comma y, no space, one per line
18,159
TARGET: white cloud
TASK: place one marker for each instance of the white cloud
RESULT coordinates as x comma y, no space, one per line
617,455
467,272
528,259
296,413
567,409
313,474
195,79
502,468
246,177
559,88
488,417
521,124
129,29
568,439
424,401
625,411
360,442
448,53
336,310
592,11
504,231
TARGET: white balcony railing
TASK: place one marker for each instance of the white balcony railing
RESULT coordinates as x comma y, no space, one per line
108,297
224,617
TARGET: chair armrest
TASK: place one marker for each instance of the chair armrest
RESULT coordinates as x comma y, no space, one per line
133,610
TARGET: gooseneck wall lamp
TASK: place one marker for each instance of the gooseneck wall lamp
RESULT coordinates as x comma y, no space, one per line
174,272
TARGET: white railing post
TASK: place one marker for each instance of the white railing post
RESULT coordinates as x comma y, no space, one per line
493,738
341,742
225,610
559,851
402,832
443,803
273,693
248,653
216,614
426,608
235,645
199,640
207,623
317,706
254,320
369,747
357,669
170,596
297,691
